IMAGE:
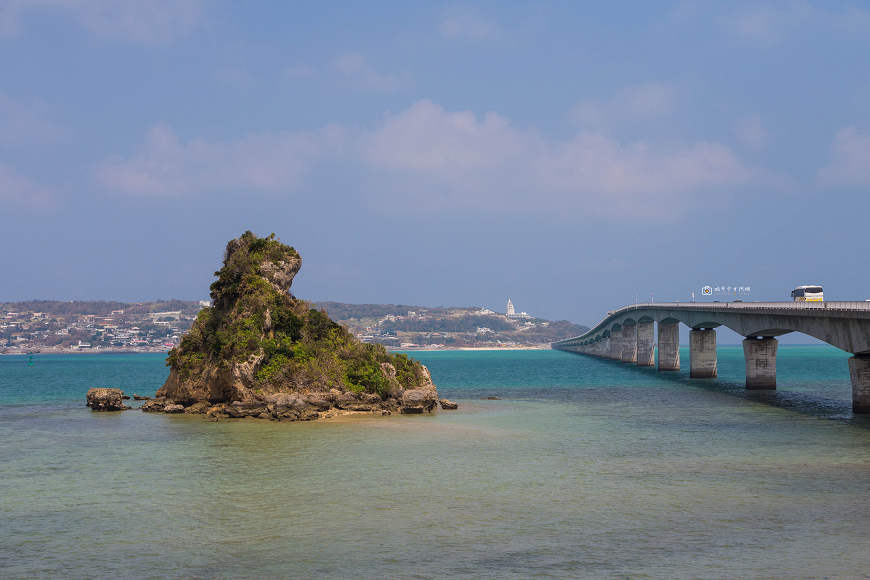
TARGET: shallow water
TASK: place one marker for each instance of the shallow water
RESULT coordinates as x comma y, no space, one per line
583,468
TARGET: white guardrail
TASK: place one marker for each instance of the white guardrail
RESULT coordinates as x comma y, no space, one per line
853,305
828,305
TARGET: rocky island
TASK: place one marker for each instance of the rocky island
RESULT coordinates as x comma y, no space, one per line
260,352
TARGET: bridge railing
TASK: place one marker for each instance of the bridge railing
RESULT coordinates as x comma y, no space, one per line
827,305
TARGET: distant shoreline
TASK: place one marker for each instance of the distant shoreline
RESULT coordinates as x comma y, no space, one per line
85,351
50,350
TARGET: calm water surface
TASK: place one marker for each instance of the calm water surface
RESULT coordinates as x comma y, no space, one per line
583,469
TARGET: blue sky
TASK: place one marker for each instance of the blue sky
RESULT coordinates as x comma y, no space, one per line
568,156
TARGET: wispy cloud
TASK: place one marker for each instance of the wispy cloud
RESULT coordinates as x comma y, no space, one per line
26,123
355,73
262,162
772,23
22,191
751,132
467,21
301,70
427,158
850,160
630,104
147,21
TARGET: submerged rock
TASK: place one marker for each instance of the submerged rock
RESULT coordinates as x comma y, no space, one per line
448,405
106,400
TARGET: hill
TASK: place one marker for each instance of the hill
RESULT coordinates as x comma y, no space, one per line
399,325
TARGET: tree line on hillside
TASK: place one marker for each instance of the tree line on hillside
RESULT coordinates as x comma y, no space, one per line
468,323
342,311
100,307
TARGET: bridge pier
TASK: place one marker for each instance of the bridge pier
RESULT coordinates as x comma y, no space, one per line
702,353
646,344
859,372
616,344
629,343
760,357
669,346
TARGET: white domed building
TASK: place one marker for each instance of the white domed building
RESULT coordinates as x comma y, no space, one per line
511,313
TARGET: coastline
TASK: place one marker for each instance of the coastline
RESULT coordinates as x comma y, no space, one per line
51,350
85,351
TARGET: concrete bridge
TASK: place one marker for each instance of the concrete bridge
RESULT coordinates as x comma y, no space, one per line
628,335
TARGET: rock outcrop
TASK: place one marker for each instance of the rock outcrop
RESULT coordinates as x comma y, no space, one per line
448,405
260,352
106,400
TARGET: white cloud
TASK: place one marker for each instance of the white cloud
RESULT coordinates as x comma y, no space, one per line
26,123
17,189
426,158
751,132
768,23
630,104
850,160
148,21
266,162
355,73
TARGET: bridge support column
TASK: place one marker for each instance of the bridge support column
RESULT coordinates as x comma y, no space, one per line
605,347
859,372
646,344
629,343
760,357
615,345
669,346
702,353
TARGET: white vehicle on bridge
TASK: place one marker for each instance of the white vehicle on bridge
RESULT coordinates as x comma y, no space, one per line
808,294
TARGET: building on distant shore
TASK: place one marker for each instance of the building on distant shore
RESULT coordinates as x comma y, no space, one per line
512,314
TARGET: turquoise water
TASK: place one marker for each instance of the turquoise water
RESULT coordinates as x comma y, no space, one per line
583,468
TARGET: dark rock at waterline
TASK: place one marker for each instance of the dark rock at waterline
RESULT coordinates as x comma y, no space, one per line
106,400
125,397
420,398
155,406
490,398
448,405
138,398
198,408
173,409
412,410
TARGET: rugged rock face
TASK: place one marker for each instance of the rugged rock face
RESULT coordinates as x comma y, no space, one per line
106,400
260,352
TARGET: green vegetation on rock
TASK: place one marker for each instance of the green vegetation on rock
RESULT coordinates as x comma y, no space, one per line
258,339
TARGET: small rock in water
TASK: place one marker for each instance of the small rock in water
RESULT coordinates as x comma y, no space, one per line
386,412
138,398
490,399
448,405
105,400
155,406
125,397
173,409
411,410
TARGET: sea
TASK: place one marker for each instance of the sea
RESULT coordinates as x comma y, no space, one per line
555,465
